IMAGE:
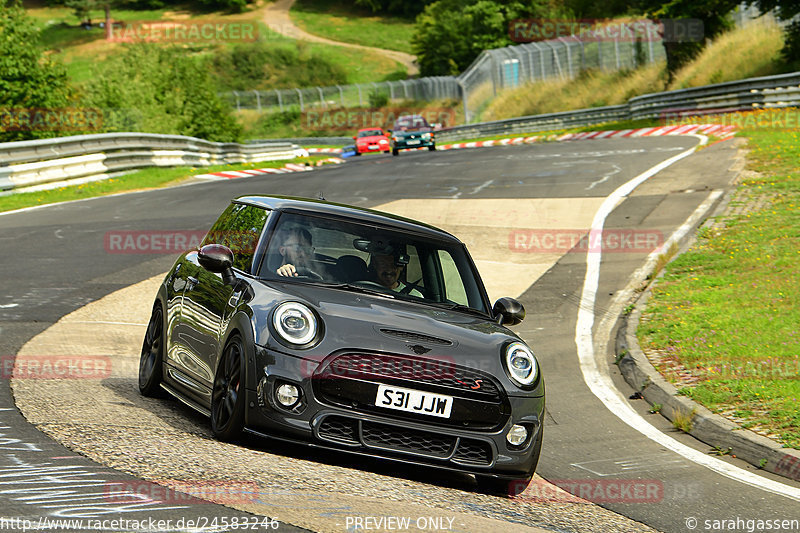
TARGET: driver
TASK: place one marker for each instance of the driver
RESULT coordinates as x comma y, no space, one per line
387,270
296,251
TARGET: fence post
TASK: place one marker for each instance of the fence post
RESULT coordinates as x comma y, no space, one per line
236,95
258,100
569,56
321,98
301,98
360,100
405,89
280,101
616,51
341,95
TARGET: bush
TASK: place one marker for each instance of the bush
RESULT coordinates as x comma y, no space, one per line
161,90
259,66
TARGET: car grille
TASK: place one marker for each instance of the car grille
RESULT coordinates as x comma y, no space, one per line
351,380
393,439
427,371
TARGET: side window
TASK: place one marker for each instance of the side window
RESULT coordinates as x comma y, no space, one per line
239,228
453,284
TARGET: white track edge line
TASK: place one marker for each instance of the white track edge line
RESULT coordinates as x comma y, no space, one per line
599,382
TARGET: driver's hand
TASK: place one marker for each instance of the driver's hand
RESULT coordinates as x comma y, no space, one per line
287,270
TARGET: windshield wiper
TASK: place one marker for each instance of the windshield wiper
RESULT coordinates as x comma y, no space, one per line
362,289
459,307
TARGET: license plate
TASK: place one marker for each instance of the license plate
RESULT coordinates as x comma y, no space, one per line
414,401
413,142
373,146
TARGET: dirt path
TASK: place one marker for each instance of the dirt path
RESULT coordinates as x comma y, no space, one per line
276,17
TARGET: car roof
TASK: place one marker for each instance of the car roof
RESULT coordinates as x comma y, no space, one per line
361,214
372,128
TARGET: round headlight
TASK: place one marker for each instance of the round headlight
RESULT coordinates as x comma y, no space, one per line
295,323
521,364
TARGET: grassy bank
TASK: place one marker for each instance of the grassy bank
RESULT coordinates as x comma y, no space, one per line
148,178
722,324
332,20
742,53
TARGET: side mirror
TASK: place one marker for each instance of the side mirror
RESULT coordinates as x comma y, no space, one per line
354,137
218,259
508,312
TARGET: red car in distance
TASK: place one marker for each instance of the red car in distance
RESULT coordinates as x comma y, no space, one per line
371,140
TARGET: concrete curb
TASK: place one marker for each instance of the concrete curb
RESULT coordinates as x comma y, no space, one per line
712,429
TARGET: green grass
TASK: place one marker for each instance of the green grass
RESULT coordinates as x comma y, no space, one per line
332,20
148,178
728,310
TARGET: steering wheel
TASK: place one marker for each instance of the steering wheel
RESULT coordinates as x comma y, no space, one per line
308,273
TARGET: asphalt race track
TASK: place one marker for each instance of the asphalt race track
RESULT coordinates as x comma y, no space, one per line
58,261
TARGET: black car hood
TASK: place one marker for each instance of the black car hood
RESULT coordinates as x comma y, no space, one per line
353,320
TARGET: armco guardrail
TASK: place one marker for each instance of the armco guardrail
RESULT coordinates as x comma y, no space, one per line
26,163
753,93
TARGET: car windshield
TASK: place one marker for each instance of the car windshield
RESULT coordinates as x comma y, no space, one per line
411,123
370,258
369,133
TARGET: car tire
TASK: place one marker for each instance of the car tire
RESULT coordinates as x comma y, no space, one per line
511,487
228,392
395,151
151,359
432,148
386,151
357,153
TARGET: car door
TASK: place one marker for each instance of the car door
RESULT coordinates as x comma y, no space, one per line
208,301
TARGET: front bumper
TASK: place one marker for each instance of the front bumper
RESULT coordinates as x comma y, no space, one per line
353,429
407,143
370,148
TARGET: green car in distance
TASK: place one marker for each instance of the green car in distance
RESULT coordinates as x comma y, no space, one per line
411,132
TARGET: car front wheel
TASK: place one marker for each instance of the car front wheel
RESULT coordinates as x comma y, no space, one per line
227,396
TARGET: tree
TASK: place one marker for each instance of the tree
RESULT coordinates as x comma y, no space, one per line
29,80
682,46
785,10
450,34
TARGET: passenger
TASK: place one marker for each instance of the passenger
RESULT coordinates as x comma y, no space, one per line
297,253
387,271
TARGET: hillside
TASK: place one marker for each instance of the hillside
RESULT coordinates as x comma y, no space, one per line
742,53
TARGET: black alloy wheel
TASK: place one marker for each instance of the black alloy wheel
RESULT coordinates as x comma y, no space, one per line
151,360
227,396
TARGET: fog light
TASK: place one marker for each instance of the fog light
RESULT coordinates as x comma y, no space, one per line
287,395
517,435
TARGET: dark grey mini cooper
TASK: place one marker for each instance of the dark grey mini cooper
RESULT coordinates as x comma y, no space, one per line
349,329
